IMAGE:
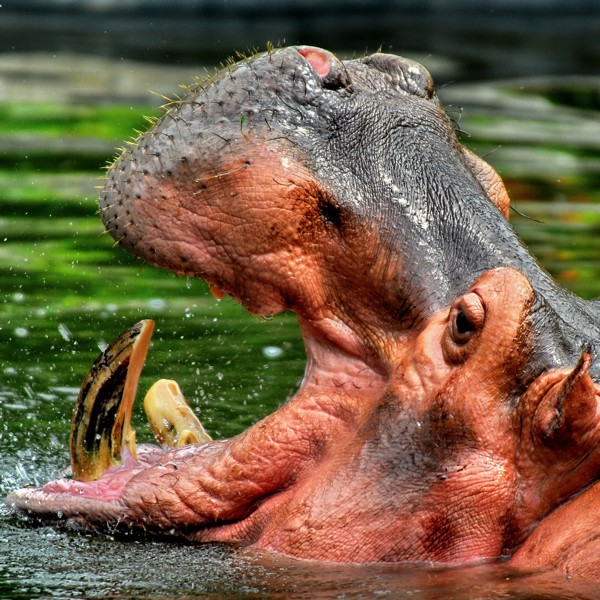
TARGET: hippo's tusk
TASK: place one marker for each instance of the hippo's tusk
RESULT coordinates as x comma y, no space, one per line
102,420
170,416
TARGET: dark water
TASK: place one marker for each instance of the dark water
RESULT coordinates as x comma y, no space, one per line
65,291
484,39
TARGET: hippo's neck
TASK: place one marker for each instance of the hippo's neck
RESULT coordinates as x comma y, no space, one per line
444,232
564,323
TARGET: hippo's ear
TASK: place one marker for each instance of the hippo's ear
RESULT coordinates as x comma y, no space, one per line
567,413
489,180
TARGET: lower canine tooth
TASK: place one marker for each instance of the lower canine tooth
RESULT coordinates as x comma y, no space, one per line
170,416
101,423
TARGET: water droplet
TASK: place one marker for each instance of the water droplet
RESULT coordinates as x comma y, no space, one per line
272,351
65,332
21,332
157,303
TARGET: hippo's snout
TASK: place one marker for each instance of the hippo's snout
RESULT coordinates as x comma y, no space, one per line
179,172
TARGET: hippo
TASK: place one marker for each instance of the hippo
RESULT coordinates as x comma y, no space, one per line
448,412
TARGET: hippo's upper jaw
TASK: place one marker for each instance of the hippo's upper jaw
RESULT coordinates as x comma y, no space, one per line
338,190
283,180
435,419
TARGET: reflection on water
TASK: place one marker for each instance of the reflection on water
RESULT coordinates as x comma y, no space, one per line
65,292
85,566
45,563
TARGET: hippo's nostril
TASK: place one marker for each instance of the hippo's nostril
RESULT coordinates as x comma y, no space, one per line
318,59
328,67
405,74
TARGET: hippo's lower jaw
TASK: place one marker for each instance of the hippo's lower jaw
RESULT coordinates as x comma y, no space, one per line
363,465
221,490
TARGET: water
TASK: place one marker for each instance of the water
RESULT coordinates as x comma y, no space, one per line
65,291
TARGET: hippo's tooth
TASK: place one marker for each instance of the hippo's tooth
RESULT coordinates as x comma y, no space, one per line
170,416
102,420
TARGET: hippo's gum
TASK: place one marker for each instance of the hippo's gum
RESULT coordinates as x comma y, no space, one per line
449,402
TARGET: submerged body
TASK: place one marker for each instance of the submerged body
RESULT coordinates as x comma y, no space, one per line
449,403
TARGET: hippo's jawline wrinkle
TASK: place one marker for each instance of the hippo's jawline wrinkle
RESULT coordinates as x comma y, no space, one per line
440,356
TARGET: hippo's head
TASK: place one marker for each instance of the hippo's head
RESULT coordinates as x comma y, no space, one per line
437,420
338,190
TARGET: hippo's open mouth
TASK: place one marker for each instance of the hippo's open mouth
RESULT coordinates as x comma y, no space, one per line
104,453
119,486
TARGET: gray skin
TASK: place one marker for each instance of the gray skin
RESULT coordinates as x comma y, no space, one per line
374,136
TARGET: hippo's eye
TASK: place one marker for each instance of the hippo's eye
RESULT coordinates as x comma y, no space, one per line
465,321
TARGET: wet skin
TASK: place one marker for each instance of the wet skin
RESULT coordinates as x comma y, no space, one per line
450,397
